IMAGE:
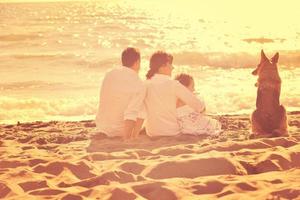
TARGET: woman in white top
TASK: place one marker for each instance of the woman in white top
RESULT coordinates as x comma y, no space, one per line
191,121
162,95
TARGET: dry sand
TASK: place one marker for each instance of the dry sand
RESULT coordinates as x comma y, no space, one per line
57,160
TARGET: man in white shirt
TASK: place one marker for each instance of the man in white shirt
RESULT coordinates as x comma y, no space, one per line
121,97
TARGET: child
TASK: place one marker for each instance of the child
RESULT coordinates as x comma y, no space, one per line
190,121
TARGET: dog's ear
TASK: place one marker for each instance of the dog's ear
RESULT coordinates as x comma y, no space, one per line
275,58
263,56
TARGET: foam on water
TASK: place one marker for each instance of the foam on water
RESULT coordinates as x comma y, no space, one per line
225,91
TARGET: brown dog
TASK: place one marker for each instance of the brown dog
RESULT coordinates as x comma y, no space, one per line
269,119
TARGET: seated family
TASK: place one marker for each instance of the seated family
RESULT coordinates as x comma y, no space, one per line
165,106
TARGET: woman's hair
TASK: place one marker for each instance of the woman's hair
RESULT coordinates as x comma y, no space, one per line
158,59
184,79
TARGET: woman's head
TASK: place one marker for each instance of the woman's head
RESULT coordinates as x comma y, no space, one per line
186,80
160,62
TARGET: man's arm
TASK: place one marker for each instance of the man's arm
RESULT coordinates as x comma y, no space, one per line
132,112
137,128
128,128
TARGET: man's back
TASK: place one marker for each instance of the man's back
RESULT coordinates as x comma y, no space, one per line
121,97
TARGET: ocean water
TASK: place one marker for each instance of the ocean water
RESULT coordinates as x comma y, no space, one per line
54,55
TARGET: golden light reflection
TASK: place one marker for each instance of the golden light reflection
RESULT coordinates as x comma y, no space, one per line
71,47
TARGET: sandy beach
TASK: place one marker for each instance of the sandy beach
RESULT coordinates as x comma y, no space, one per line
57,160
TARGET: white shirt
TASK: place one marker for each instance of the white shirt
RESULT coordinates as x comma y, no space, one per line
160,105
121,98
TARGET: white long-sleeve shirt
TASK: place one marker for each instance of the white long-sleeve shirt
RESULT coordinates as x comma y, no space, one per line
160,105
121,98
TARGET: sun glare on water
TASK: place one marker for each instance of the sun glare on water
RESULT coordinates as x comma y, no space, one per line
71,45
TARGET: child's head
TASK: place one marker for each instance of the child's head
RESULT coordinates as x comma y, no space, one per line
186,80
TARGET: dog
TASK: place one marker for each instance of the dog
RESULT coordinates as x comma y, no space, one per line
269,119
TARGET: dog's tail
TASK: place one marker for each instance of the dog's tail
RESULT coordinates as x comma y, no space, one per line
276,132
281,130
279,133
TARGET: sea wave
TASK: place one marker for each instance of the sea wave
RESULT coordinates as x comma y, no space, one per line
225,91
19,37
263,40
56,60
13,109
289,59
44,85
232,60
32,85
41,56
33,109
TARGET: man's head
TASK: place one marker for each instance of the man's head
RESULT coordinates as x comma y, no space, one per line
131,58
